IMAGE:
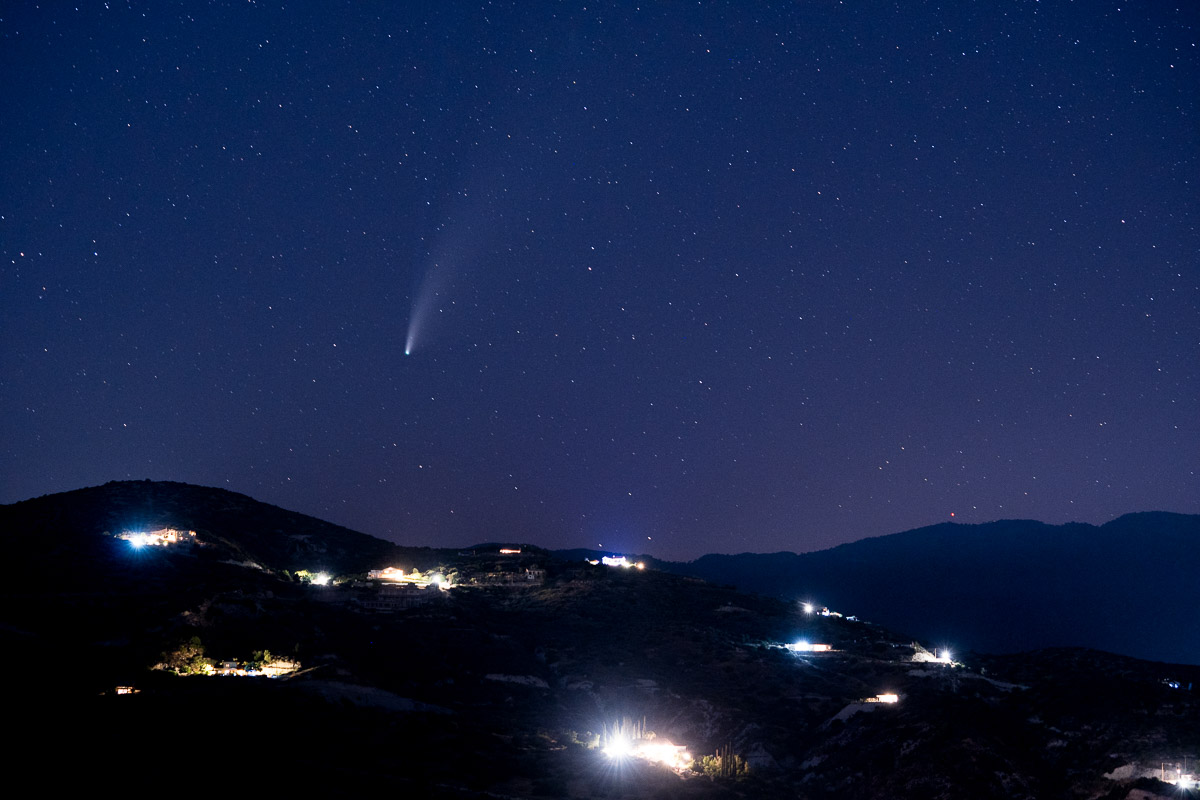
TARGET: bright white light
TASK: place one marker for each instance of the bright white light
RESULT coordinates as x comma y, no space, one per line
658,751
618,747
664,753
888,698
321,579
808,608
946,656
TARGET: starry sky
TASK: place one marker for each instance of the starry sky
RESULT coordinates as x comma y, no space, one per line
671,279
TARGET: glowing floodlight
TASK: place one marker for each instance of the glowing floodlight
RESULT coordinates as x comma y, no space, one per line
618,747
321,579
946,656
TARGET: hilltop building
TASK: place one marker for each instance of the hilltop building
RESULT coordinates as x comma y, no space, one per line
163,537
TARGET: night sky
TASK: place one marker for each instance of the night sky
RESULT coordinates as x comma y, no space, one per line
677,279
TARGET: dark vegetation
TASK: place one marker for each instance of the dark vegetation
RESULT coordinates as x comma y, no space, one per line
505,691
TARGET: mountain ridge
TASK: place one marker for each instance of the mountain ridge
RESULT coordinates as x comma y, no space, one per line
1003,586
1071,584
510,680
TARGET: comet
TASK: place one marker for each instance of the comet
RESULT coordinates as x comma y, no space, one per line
423,305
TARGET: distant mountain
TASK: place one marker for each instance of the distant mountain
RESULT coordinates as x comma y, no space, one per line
1128,586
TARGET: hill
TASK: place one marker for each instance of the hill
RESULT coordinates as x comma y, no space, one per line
1127,586
519,676
65,529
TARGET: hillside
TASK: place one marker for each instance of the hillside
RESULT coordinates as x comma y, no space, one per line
511,681
63,527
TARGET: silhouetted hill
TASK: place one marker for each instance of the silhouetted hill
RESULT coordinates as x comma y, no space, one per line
1128,586
508,688
63,533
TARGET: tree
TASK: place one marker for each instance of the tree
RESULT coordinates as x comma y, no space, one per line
259,659
187,658
725,764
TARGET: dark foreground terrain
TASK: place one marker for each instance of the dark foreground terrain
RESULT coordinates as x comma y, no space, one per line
510,683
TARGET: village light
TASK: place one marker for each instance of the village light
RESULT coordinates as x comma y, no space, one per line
675,757
618,747
808,608
321,579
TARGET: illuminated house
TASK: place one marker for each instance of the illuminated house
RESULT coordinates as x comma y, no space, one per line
620,561
394,574
279,667
274,669
923,656
162,537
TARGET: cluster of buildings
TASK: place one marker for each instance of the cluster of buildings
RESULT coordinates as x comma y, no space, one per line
414,578
163,537
530,576
393,589
617,561
272,669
